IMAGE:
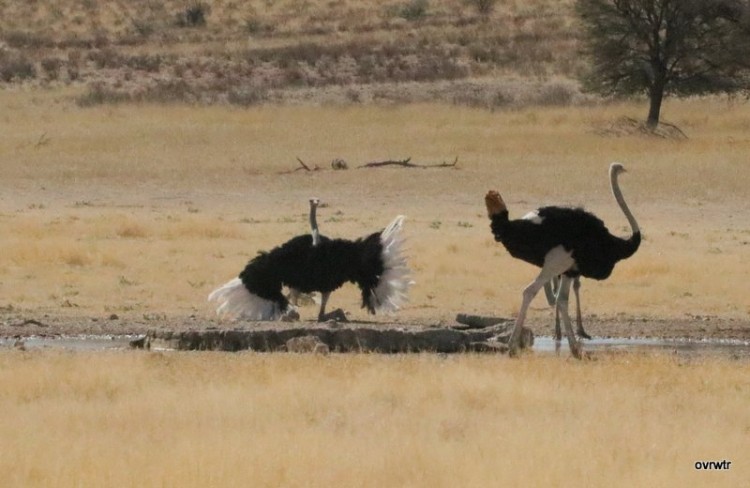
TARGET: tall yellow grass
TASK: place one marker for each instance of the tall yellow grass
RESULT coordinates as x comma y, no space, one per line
153,419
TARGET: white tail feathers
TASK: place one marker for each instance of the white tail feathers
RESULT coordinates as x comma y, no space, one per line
234,301
392,289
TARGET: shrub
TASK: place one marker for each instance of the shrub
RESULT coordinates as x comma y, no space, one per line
51,67
484,7
145,62
98,94
142,27
28,40
105,58
194,14
414,10
246,97
16,67
557,93
256,26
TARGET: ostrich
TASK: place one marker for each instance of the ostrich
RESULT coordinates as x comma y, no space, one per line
565,242
550,291
314,262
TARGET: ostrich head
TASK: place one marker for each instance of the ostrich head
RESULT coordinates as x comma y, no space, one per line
616,168
314,202
494,203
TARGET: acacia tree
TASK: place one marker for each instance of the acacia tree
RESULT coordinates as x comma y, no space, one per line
663,47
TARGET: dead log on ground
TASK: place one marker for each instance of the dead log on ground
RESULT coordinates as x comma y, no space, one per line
351,338
29,322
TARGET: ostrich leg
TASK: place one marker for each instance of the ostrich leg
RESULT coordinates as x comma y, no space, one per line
338,315
556,262
562,305
579,320
550,290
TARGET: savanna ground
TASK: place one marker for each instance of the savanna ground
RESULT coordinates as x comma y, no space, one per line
140,211
144,162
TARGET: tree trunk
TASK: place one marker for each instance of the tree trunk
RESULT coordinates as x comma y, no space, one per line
656,95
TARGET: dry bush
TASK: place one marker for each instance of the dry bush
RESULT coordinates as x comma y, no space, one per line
483,7
319,45
414,10
15,66
22,39
194,14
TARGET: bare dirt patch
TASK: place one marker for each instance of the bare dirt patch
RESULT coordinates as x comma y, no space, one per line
139,212
694,327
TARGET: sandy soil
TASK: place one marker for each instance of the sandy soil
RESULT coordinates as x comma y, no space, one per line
44,320
93,225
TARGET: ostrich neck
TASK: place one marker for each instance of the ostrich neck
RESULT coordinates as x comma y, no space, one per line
314,226
621,202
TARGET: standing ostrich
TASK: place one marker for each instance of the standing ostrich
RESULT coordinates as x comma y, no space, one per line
309,263
565,242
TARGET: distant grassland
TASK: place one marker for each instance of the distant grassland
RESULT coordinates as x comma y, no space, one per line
246,53
213,419
141,209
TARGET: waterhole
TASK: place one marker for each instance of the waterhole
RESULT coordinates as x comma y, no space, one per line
727,348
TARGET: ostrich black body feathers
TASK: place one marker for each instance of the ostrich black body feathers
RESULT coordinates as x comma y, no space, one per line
593,248
324,268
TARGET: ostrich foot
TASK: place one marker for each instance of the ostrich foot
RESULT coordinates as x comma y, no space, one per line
494,203
582,334
514,343
576,350
337,315
289,316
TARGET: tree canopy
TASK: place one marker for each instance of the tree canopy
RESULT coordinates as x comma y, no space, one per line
664,47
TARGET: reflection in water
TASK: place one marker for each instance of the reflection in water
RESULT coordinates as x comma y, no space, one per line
728,348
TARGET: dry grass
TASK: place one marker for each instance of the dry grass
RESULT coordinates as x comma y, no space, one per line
257,51
153,419
146,208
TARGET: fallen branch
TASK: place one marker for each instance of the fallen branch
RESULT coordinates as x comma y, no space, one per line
29,322
337,164
304,166
406,163
389,162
